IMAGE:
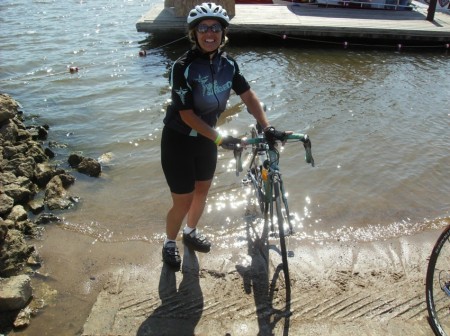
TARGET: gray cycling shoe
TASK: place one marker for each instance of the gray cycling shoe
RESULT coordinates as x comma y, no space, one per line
197,242
171,255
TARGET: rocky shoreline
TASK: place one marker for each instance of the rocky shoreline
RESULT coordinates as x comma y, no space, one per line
31,187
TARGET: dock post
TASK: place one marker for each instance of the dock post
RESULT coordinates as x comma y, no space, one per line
431,10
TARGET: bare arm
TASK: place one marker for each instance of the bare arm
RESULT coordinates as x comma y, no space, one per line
254,106
196,123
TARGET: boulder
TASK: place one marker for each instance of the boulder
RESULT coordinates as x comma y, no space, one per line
18,214
17,193
15,292
85,165
8,131
90,167
56,196
36,206
37,153
6,204
8,108
20,165
3,231
13,252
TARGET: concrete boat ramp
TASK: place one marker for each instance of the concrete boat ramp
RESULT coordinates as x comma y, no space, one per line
310,21
337,289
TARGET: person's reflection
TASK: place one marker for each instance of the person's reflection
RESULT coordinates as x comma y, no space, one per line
181,309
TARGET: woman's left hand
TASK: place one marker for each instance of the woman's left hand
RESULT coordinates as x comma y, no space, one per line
230,142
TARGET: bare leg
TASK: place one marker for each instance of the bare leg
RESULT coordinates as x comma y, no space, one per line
175,216
198,202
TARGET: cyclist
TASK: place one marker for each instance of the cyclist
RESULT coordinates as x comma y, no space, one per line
201,81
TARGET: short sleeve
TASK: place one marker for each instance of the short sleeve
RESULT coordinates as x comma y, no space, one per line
182,98
240,84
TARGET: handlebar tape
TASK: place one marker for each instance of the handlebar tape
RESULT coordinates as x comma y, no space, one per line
301,137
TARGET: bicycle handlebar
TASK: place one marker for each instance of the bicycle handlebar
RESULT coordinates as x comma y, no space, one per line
294,136
254,141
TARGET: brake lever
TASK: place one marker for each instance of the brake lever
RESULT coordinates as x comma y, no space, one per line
237,152
308,155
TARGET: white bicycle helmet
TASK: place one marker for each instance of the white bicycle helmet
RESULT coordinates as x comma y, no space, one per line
208,10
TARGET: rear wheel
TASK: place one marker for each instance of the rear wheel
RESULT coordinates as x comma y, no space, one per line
255,177
438,285
257,183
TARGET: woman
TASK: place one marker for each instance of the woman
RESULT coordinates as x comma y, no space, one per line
201,82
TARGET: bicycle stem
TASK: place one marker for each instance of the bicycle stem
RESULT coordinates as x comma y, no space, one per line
262,141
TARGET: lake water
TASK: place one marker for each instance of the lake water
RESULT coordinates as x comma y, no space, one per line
378,118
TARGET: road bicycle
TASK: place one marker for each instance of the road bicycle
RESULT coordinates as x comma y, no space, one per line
264,175
438,285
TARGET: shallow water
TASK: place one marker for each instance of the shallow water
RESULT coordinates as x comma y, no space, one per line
378,120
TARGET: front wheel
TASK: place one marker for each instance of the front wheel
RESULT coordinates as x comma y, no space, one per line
284,255
438,285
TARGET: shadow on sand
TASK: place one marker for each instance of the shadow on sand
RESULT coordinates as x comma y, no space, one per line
267,283
181,308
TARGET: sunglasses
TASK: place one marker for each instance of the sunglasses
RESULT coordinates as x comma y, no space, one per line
203,28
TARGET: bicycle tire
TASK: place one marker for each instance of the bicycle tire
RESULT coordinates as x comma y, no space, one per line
438,285
255,177
286,207
280,220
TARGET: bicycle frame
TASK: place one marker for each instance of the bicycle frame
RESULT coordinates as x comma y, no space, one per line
269,174
271,177
268,184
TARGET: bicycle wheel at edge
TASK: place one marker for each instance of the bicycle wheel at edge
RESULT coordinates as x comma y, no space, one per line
437,283
284,256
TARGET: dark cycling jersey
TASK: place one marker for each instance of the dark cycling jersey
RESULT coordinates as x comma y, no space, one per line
203,85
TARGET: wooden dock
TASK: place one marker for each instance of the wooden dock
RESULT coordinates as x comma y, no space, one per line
314,22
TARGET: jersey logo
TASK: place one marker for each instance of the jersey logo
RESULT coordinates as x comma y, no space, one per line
211,88
203,81
182,94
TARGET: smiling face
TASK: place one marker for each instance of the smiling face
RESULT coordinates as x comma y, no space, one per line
210,40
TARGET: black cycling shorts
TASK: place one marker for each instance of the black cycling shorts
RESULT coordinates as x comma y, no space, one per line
186,159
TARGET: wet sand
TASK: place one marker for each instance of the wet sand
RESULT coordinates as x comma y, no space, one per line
337,288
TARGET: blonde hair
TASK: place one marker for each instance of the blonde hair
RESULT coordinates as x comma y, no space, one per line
191,36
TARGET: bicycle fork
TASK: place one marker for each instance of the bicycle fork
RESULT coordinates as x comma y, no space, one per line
275,180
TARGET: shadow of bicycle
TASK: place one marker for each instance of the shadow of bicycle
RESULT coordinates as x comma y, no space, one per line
266,281
181,308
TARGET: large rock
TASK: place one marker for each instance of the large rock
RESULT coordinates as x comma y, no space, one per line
18,213
90,167
21,166
15,292
8,131
14,251
56,196
8,108
6,204
17,193
85,165
3,231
